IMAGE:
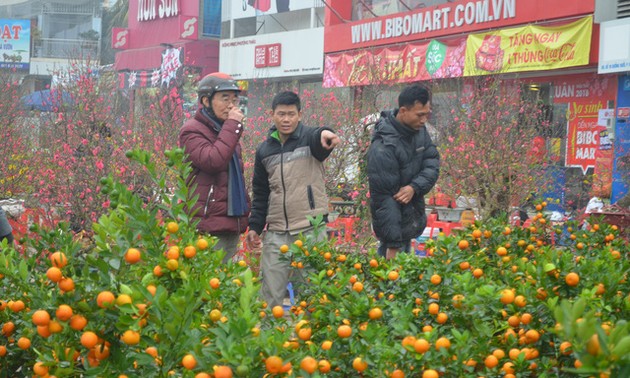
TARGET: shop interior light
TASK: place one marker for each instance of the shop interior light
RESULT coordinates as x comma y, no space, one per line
534,87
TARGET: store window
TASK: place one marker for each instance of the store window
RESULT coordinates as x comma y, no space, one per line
212,19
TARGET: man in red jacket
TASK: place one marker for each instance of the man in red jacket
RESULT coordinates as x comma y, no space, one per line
211,139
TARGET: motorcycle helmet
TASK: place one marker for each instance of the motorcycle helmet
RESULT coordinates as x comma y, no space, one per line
216,82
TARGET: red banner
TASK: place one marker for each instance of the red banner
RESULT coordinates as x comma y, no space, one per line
584,96
448,18
396,64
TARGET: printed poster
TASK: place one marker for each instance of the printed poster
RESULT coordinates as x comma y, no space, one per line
529,48
585,96
15,44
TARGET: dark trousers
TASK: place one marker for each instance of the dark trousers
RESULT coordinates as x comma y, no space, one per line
382,250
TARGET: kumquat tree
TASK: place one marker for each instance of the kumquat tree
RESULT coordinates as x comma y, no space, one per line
153,299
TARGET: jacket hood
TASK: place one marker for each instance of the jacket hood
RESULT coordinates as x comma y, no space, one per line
389,127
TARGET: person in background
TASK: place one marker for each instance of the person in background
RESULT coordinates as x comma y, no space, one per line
403,165
211,141
6,232
288,187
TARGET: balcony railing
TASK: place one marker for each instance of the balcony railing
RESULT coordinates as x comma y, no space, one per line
65,48
81,9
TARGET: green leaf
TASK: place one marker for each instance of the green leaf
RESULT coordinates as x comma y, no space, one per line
623,347
23,270
114,263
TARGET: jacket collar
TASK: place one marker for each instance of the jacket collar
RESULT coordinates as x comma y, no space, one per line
207,120
389,127
273,132
405,131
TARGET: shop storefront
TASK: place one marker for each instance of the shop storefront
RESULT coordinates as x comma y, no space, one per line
555,59
165,41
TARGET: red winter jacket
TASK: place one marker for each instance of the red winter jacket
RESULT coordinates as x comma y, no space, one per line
210,148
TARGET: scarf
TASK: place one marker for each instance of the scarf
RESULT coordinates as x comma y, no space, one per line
237,199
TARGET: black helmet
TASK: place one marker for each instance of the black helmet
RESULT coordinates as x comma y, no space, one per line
216,82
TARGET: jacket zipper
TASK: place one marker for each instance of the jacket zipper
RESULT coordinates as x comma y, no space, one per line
208,199
284,189
311,197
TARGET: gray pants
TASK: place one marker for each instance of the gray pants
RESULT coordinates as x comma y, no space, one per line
275,267
229,243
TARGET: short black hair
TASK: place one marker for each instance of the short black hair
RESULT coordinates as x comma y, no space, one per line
412,94
286,98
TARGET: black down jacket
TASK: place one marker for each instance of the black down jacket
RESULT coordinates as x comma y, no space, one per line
400,156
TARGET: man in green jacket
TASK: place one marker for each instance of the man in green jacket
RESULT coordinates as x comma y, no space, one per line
288,187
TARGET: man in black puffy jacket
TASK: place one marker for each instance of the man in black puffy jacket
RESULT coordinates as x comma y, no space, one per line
403,165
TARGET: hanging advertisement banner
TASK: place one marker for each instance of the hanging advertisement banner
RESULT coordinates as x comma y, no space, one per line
170,71
15,44
585,96
428,22
530,48
602,178
396,64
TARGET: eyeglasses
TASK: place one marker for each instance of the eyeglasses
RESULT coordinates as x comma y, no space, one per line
227,99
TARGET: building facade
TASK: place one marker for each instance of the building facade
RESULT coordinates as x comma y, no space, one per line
42,38
269,45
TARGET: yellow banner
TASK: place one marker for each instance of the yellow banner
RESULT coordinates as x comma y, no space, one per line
529,48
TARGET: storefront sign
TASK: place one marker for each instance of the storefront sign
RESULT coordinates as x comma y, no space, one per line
463,16
396,64
614,46
142,43
120,38
273,55
530,48
188,28
151,9
268,55
585,97
15,44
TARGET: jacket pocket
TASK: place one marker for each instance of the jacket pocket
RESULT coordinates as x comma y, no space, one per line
209,198
311,198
